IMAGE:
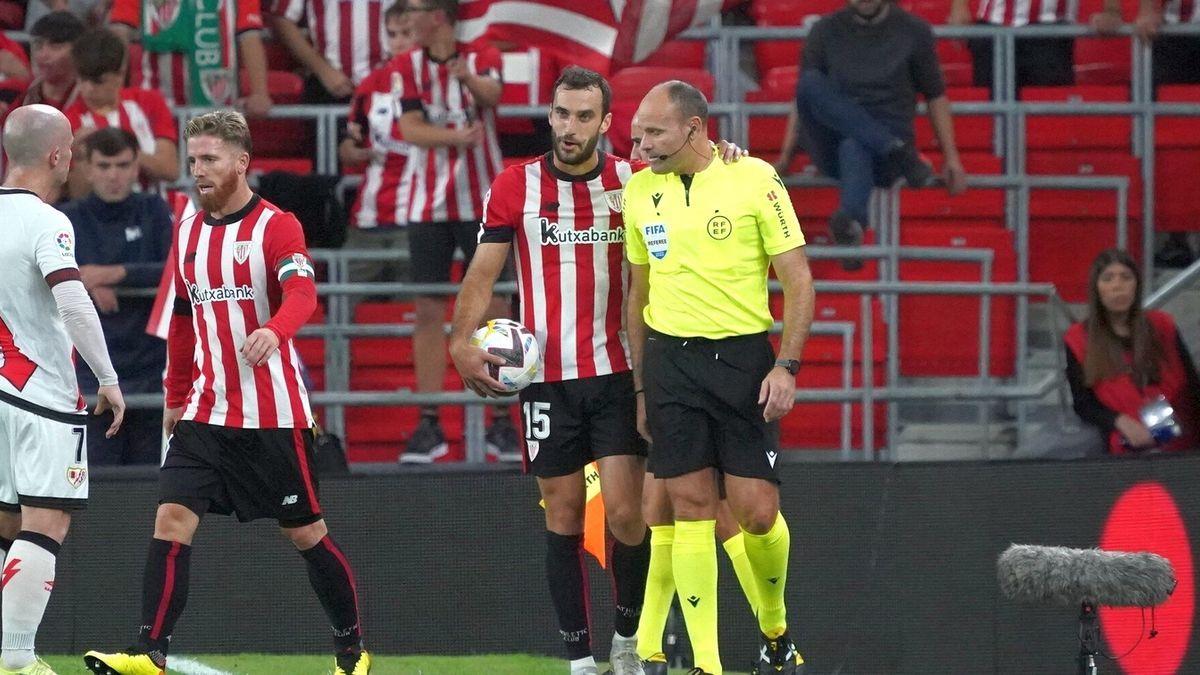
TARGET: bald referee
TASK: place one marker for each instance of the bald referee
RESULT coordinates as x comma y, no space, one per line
700,234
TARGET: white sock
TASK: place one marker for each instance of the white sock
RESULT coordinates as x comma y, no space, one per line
622,643
28,579
582,665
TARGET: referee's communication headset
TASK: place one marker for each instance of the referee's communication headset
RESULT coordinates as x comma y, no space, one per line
686,142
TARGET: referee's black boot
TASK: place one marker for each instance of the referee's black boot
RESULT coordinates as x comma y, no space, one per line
778,656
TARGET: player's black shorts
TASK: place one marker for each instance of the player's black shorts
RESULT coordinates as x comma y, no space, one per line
250,473
432,245
702,405
568,424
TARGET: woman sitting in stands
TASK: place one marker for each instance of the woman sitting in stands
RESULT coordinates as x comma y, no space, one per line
1123,357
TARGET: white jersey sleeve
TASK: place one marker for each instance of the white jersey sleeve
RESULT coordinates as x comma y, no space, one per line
54,243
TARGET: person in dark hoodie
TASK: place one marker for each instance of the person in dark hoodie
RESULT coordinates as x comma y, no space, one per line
122,242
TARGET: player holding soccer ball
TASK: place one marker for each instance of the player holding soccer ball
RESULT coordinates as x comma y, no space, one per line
561,215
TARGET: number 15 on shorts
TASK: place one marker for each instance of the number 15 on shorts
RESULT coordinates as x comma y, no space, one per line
537,420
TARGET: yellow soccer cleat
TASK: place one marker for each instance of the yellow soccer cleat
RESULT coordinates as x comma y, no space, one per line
128,662
38,667
361,667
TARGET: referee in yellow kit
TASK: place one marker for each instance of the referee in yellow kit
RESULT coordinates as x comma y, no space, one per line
699,236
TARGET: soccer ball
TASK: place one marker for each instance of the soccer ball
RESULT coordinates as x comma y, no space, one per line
519,348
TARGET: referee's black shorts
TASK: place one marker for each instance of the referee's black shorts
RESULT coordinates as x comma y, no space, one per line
702,405
250,473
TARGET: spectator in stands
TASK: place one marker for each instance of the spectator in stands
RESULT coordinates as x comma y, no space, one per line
374,138
100,57
89,11
175,61
344,44
55,81
863,67
450,92
1041,61
14,62
1175,56
1123,355
122,239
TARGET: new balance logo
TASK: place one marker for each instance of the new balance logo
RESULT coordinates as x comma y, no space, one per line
771,457
656,198
693,600
773,580
290,500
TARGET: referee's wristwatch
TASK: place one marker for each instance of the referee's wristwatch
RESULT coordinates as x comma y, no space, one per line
790,365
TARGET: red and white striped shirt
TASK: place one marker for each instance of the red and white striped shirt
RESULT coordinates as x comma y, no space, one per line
1181,11
1017,13
348,33
230,275
448,182
141,112
383,199
568,235
167,71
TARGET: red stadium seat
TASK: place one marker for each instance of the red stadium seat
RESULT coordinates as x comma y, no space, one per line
972,133
939,334
1176,164
777,85
1104,61
678,54
312,349
389,351
1069,227
1066,132
778,53
818,425
630,85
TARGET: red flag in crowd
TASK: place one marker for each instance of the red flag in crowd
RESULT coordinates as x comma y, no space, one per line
603,36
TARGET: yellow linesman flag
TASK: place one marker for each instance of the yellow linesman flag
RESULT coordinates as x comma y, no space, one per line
593,516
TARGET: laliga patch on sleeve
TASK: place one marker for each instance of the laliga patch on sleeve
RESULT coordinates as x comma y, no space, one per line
66,243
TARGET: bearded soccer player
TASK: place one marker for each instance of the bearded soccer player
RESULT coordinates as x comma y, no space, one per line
562,215
236,407
44,313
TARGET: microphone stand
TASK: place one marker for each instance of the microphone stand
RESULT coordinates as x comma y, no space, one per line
1089,639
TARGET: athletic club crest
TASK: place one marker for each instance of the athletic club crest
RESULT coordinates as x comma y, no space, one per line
218,87
76,475
163,14
616,200
241,251
533,447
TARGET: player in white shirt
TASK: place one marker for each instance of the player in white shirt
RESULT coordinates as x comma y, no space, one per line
44,312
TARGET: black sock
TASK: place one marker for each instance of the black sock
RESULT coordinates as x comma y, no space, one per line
331,577
164,595
629,567
568,588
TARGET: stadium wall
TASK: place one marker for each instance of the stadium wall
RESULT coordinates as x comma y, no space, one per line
893,567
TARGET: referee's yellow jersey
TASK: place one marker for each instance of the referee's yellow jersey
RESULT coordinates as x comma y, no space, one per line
708,239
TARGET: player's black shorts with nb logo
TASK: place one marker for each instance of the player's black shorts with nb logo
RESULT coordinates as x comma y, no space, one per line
702,405
250,473
569,424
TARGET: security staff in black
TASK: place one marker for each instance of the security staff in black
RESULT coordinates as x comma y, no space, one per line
699,237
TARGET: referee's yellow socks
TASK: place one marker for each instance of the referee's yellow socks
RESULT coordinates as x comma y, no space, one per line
694,557
768,556
660,590
735,548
